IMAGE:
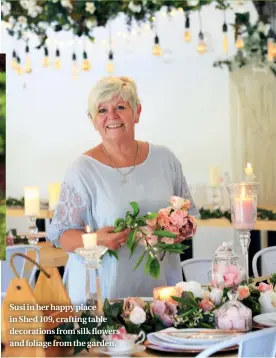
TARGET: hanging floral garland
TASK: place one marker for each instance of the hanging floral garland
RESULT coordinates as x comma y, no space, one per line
81,16
255,43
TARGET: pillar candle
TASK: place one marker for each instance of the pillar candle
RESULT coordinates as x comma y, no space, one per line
244,210
214,177
89,239
53,195
31,201
248,170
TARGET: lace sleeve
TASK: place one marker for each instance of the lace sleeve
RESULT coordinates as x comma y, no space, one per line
72,211
182,190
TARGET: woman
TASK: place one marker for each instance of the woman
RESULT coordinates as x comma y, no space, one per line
100,185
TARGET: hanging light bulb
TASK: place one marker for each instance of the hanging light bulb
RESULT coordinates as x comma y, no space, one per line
57,60
14,60
110,64
86,66
46,62
225,38
28,68
18,67
75,66
202,46
156,51
187,33
239,42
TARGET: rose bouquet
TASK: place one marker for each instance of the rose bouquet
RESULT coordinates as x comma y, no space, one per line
158,233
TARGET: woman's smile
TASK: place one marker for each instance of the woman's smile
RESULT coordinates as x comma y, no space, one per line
115,126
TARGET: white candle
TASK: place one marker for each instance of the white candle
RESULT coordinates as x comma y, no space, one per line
89,239
248,170
53,195
214,177
31,201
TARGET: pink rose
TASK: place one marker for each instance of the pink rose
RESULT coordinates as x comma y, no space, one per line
243,292
122,334
151,223
176,218
165,310
168,240
130,303
179,203
163,217
147,235
206,304
263,287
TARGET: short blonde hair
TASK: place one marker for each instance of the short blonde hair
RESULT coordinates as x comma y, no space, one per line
109,87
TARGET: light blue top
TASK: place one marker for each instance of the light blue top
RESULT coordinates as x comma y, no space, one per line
93,194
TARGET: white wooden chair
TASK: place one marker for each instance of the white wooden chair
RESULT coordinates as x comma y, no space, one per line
197,269
255,344
6,273
268,256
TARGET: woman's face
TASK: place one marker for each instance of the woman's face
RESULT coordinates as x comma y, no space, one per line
115,119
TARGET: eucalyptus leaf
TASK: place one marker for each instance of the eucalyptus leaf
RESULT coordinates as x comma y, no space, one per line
139,261
147,264
154,268
131,238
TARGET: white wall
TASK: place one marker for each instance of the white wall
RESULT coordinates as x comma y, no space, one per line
185,103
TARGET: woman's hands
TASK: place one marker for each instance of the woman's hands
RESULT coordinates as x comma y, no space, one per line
107,237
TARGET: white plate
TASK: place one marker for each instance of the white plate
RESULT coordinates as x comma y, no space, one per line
153,340
137,349
145,299
266,319
196,336
184,350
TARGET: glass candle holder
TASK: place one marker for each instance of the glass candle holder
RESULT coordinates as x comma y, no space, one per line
243,200
91,258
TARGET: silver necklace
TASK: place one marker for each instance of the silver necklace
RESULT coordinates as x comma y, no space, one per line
123,175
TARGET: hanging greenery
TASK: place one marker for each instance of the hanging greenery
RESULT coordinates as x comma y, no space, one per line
254,48
81,17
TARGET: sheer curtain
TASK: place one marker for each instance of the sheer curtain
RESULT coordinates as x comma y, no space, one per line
253,127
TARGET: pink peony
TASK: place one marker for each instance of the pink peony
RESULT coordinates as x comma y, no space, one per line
130,303
264,287
165,310
206,304
189,229
243,292
177,218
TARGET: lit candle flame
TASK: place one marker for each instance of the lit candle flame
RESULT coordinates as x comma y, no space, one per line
248,166
87,229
